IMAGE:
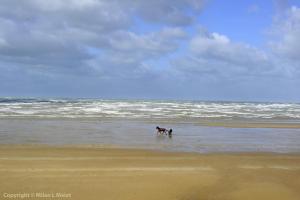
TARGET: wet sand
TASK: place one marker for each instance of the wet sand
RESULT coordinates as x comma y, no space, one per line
91,172
244,124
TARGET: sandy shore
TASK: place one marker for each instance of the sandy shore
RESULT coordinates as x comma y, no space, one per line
113,173
238,124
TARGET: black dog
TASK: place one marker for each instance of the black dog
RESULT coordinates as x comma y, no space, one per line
170,132
164,131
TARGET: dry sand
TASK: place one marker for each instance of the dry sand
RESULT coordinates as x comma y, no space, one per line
113,173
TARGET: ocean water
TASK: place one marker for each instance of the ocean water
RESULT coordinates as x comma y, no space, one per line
129,123
146,109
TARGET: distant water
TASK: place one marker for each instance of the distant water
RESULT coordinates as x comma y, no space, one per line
132,124
146,109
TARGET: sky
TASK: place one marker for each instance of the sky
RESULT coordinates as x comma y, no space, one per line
227,50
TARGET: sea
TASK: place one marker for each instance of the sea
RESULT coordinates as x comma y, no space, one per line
131,124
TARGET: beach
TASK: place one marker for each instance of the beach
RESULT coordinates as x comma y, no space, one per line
109,149
149,100
91,172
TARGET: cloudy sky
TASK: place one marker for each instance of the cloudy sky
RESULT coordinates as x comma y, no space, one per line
161,49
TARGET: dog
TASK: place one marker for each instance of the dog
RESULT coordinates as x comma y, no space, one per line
164,131
170,133
161,130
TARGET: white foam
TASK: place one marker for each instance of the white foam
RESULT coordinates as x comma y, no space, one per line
148,109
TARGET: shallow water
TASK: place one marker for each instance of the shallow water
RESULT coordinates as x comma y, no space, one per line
141,134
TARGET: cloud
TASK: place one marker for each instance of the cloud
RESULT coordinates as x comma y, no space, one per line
129,52
155,42
135,48
72,34
285,41
166,11
280,7
62,47
216,55
219,47
287,31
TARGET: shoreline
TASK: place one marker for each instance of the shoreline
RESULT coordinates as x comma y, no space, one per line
89,172
280,124
253,125
138,148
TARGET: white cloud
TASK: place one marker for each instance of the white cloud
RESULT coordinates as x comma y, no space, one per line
155,42
129,52
287,32
285,41
60,34
135,43
218,53
166,11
